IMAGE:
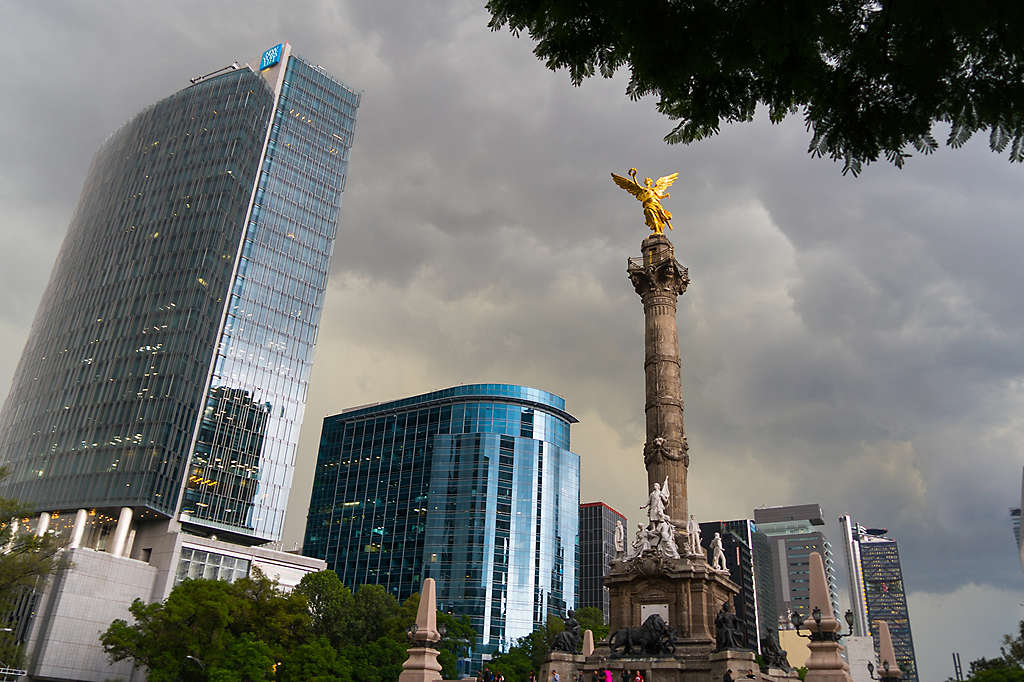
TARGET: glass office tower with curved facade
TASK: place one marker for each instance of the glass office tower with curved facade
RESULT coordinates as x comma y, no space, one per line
166,370
474,486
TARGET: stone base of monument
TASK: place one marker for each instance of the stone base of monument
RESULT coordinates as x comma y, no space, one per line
565,664
421,666
741,663
710,668
685,592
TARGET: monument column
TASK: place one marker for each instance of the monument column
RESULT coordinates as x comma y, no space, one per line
659,279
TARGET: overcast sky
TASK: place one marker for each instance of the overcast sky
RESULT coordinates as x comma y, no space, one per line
851,342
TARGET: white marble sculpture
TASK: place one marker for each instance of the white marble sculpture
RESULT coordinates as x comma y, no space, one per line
656,503
693,536
666,542
620,538
717,554
641,544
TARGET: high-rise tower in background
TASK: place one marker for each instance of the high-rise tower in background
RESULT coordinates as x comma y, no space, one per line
474,486
794,532
597,549
876,589
166,370
164,378
748,556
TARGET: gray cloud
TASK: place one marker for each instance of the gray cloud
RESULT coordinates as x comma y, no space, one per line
854,342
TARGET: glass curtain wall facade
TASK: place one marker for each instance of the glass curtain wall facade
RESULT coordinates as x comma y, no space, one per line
736,542
881,592
597,549
474,486
240,476
199,246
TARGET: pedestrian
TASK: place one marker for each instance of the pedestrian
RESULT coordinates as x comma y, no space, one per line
727,677
554,676
533,676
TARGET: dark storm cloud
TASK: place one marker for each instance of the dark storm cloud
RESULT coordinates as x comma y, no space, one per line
853,342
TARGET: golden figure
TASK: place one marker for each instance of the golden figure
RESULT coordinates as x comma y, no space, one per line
655,215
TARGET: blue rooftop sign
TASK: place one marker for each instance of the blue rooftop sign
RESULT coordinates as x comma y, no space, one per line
271,56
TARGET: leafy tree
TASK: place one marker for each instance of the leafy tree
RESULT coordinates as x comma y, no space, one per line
213,630
871,77
592,618
252,630
24,560
1013,647
330,604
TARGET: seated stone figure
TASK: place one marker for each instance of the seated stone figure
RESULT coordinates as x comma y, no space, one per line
728,630
568,640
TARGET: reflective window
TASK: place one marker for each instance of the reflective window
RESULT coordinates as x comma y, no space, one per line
464,485
197,563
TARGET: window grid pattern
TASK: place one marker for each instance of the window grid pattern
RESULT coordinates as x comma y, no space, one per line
106,396
468,492
887,599
197,564
244,454
597,549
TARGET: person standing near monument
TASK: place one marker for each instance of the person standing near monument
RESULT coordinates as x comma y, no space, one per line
727,677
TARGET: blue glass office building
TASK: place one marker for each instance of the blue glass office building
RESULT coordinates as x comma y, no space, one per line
166,370
474,486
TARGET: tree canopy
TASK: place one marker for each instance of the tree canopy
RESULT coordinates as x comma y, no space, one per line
871,78
252,630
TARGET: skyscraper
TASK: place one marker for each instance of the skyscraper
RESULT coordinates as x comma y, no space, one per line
794,533
164,378
748,557
474,486
597,549
877,590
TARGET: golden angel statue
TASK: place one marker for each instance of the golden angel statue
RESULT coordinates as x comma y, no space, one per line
655,215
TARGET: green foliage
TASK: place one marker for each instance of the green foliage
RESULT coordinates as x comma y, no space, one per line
592,618
801,672
458,642
1001,674
24,561
529,653
870,77
252,630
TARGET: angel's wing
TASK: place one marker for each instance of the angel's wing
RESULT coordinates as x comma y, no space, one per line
665,182
628,185
664,489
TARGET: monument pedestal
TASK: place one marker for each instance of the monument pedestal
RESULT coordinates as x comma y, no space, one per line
686,592
565,664
421,666
741,663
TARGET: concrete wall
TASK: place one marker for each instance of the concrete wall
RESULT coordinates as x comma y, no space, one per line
78,603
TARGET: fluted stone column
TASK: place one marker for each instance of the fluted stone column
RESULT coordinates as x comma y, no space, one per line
659,279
